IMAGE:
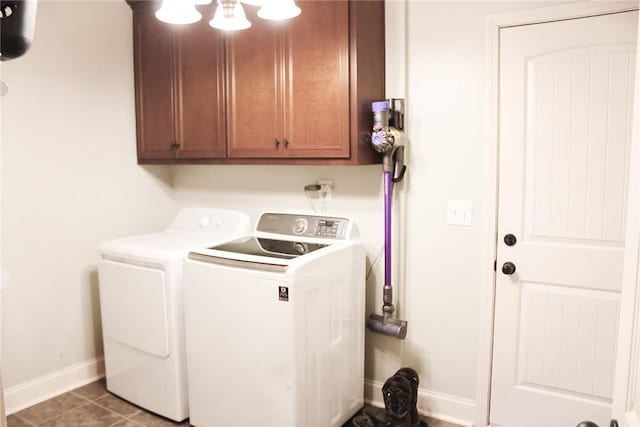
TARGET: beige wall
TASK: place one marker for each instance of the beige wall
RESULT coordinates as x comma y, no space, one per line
439,290
69,181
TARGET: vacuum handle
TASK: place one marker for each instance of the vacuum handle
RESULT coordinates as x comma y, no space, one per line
398,163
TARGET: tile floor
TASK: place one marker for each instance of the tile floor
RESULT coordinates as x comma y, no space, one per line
92,405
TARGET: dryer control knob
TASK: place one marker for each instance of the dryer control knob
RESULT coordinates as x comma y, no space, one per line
204,221
300,225
301,248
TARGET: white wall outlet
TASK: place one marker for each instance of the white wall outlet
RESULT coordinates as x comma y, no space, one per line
326,188
459,212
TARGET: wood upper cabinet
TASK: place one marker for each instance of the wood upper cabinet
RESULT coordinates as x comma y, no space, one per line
154,87
200,94
292,92
254,88
316,81
295,89
179,89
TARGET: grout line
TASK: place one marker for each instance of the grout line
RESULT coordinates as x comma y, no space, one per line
23,420
53,418
138,423
119,421
89,402
117,413
75,394
64,413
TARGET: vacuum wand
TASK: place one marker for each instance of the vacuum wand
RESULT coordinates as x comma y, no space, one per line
387,295
388,140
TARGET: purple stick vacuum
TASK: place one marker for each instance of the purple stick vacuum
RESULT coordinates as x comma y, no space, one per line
387,140
388,196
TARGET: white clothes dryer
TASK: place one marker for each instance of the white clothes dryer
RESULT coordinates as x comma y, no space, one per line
274,325
142,312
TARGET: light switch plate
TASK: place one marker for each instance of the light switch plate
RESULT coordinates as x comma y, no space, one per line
459,212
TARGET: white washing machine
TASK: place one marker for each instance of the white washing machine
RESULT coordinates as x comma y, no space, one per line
142,312
274,325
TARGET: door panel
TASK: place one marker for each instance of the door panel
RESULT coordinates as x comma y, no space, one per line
200,79
578,113
565,131
154,82
317,81
557,351
254,62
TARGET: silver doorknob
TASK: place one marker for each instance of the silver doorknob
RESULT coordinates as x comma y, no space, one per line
508,268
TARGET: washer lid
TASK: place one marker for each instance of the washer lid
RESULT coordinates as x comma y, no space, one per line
266,247
257,253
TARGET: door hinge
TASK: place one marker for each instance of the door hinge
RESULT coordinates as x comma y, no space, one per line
495,264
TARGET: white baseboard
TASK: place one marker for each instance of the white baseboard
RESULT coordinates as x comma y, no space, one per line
23,395
436,405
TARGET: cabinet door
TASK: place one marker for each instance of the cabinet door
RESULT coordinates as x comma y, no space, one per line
254,62
317,81
153,41
200,91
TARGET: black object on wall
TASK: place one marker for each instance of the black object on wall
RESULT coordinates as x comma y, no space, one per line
17,22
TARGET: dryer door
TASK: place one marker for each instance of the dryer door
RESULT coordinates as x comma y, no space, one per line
134,306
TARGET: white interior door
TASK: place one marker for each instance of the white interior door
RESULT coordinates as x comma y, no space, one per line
566,92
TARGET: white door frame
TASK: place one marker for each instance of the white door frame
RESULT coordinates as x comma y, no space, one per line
626,398
490,212
3,420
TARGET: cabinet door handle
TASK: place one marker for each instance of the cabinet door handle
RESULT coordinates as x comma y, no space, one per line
276,143
286,143
173,145
176,146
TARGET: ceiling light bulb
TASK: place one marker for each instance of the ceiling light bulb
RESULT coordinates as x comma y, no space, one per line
178,12
229,16
199,2
279,9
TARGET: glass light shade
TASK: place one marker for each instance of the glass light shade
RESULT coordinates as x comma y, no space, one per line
178,12
253,2
199,2
229,16
279,9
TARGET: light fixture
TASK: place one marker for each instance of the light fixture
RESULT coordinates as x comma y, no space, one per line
178,12
229,16
278,10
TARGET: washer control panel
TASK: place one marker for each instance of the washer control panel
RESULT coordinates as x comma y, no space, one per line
327,228
323,227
